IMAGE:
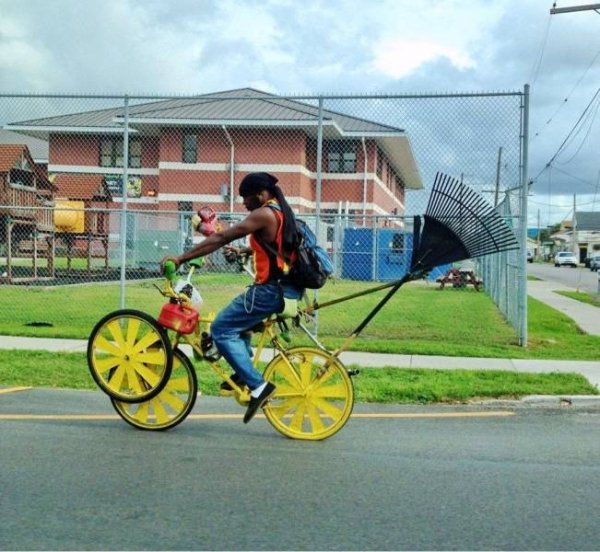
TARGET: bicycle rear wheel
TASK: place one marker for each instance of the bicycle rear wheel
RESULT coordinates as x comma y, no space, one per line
171,406
310,403
129,356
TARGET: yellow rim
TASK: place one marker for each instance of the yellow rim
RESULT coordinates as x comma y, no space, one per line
171,406
129,356
308,403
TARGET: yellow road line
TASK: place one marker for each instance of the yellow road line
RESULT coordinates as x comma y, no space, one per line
13,389
491,413
92,417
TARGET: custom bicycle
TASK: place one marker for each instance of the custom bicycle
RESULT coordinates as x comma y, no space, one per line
137,360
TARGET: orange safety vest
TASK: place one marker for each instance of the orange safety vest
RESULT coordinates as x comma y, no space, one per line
268,266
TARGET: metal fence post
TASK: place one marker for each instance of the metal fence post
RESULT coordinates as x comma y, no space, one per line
523,218
124,182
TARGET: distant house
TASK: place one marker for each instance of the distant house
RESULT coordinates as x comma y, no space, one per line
37,148
587,224
580,235
26,205
189,152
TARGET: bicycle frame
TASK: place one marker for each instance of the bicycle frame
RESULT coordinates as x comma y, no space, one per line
268,334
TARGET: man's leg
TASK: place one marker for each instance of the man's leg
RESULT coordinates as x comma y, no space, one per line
244,312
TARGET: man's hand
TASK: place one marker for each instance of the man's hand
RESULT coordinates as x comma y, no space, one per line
231,252
172,259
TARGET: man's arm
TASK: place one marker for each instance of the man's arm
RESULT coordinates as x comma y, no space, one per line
255,221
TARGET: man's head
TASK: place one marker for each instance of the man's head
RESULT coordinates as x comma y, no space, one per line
257,188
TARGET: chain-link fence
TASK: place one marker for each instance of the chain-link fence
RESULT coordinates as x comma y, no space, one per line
357,168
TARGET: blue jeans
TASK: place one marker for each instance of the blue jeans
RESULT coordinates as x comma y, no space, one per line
230,328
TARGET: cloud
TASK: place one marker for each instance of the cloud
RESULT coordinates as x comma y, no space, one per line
400,57
319,46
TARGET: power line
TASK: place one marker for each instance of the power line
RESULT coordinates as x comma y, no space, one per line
591,117
560,148
536,66
568,96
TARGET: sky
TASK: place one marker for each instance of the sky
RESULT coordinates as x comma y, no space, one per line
333,47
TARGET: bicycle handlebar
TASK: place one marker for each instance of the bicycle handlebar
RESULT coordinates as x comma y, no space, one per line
170,273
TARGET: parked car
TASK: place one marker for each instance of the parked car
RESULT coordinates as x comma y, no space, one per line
565,258
595,262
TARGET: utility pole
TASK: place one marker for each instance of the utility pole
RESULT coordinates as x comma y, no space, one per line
574,227
554,11
538,253
587,7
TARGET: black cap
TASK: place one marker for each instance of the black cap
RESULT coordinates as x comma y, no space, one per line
256,182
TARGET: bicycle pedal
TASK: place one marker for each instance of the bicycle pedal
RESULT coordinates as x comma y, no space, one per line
226,392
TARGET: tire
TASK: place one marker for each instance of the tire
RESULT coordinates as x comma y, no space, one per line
171,406
129,356
308,405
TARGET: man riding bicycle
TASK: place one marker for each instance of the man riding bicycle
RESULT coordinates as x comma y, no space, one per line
271,229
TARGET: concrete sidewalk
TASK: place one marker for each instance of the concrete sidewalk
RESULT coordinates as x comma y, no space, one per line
587,317
589,369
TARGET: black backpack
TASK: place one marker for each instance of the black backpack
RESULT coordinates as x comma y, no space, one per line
312,266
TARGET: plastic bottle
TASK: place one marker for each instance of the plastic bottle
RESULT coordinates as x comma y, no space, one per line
209,349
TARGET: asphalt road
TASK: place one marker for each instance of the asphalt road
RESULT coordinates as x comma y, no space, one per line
579,278
498,477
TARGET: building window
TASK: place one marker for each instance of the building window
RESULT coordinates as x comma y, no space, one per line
22,177
190,147
111,152
341,157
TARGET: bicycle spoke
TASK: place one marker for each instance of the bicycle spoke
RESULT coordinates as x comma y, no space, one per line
306,371
142,412
146,341
153,356
315,418
115,381
159,411
114,327
329,409
148,375
336,391
106,364
102,344
175,402
133,380
298,417
133,327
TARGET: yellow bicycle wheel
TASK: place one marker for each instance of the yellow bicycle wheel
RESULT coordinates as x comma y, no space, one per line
310,403
171,406
129,356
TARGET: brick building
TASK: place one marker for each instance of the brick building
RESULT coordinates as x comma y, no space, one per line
189,152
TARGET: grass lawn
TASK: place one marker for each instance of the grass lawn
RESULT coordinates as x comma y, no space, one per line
419,319
583,297
385,385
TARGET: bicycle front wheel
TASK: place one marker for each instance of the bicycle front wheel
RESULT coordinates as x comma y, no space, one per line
310,403
129,356
171,406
